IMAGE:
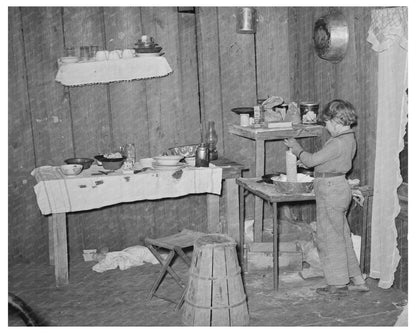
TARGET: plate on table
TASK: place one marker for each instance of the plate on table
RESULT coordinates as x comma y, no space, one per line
157,166
156,54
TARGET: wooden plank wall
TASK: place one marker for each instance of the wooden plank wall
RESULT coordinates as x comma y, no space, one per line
215,69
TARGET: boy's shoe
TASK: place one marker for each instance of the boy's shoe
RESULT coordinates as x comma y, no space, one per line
332,290
358,287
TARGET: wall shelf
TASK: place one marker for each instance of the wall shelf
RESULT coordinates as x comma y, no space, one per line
96,72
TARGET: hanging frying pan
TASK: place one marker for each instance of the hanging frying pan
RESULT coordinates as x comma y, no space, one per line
330,36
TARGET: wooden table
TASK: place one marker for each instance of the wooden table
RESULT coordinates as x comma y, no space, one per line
260,135
57,196
268,193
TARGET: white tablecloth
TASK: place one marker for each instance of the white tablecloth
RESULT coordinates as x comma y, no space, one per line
90,72
56,193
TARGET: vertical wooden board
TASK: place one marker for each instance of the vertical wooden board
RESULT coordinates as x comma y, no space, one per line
21,156
89,103
168,120
363,167
238,85
272,52
42,28
49,139
92,126
163,95
272,63
220,293
209,71
127,99
129,118
189,132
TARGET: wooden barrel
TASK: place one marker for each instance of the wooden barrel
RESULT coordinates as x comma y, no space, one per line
215,295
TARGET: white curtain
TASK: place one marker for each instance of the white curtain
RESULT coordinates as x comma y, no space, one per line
388,36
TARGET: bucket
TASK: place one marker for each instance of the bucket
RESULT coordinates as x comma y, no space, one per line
215,295
309,112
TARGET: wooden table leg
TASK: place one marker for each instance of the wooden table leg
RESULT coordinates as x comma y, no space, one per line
275,248
241,225
232,208
213,213
51,246
60,248
258,202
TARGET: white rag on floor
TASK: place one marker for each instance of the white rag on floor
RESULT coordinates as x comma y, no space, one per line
129,257
90,72
56,193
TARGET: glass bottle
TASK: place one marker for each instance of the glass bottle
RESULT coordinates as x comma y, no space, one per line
211,139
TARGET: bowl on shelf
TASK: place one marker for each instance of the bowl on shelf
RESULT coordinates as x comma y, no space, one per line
71,169
168,160
85,162
184,151
110,163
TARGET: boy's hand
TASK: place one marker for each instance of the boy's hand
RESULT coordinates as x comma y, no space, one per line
292,143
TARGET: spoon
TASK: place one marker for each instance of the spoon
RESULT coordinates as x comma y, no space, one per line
142,170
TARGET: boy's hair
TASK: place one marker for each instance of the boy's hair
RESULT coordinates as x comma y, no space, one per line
340,111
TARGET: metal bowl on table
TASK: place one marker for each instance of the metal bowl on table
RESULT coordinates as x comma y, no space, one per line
85,162
110,163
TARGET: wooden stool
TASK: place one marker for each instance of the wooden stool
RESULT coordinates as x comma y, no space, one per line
175,244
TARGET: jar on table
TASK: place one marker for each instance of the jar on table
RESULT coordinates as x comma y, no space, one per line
202,156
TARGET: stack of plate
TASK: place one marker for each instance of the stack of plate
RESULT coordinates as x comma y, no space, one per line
152,50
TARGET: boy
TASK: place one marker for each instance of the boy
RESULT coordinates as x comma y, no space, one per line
333,197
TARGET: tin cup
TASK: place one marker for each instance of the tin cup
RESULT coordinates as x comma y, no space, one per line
84,52
245,119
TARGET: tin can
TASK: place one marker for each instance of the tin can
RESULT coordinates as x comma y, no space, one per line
246,20
309,112
202,156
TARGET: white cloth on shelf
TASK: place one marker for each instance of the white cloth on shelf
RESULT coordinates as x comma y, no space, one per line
92,72
56,193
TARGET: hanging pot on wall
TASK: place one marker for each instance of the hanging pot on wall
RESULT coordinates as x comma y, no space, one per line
330,36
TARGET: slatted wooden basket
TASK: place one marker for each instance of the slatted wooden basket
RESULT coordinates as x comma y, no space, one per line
215,294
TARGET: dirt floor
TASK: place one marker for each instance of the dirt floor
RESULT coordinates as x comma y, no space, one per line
118,298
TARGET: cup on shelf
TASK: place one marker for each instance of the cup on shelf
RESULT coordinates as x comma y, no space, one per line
244,119
114,55
128,53
69,51
93,52
101,55
84,52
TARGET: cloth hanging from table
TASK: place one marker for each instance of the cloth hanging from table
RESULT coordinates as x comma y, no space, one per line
388,34
56,193
91,72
